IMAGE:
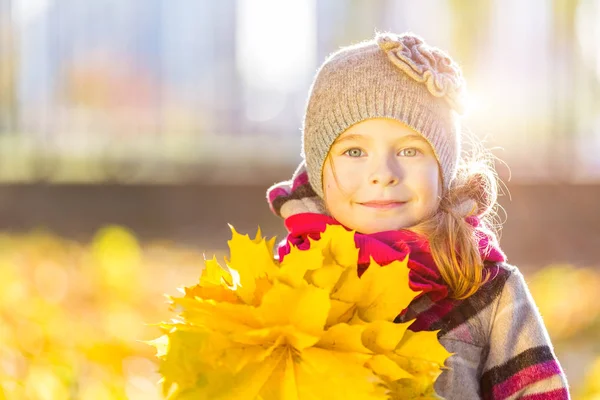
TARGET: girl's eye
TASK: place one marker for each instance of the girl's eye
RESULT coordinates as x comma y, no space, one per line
409,152
354,152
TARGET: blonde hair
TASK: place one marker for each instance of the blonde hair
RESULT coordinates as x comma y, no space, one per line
454,242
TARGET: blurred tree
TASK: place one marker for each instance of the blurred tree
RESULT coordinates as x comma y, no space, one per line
342,22
566,77
470,30
8,61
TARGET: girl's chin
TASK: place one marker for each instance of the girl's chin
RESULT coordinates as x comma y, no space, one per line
369,229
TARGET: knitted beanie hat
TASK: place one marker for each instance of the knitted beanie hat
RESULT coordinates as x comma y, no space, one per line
391,76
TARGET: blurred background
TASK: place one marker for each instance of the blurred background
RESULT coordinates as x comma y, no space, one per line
132,132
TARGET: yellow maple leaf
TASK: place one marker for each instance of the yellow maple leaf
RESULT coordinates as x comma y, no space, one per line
339,253
423,346
305,308
380,293
340,312
212,292
384,367
251,259
344,337
297,263
215,274
383,336
337,245
415,388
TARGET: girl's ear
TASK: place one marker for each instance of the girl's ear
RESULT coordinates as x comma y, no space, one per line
466,208
473,193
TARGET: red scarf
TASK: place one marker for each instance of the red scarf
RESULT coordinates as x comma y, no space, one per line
388,246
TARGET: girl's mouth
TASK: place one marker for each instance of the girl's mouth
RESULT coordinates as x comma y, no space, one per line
383,204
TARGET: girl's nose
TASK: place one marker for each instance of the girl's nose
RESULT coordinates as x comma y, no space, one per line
385,174
384,180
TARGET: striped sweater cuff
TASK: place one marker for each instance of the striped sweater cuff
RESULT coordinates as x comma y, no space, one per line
531,366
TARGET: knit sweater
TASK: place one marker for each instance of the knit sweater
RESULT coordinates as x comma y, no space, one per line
500,344
501,348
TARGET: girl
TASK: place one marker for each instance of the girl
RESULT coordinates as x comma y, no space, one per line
382,156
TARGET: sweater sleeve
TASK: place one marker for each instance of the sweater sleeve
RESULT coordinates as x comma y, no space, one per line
520,362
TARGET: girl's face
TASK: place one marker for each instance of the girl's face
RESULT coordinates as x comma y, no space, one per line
381,175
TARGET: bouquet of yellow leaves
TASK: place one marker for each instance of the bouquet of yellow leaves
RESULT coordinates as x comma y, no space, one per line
304,328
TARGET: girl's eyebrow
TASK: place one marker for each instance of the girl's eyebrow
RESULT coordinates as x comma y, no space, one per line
414,136
353,136
356,136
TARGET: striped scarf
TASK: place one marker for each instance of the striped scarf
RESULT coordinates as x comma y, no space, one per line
385,248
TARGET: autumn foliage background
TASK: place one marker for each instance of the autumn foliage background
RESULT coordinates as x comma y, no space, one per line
74,315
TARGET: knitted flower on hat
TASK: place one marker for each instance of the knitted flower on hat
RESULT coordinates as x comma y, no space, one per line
426,64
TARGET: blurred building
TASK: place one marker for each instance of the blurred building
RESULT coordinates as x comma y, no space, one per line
141,59
212,76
